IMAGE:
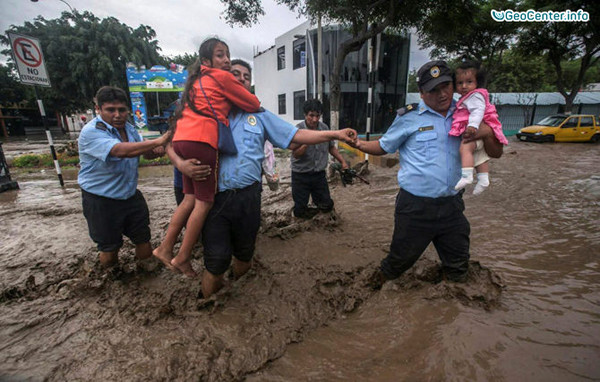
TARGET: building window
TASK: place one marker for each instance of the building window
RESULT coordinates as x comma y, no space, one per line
281,58
299,53
299,99
281,104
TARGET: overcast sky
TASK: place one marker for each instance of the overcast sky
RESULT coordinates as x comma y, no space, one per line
180,25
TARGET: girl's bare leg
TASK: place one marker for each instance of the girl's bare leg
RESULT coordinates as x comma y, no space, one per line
164,251
195,222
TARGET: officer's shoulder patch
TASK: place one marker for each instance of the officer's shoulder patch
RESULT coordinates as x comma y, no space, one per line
101,126
407,109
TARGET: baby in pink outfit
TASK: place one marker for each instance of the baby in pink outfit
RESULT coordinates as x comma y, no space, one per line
473,108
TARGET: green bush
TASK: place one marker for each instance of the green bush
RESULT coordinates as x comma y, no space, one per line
45,160
27,160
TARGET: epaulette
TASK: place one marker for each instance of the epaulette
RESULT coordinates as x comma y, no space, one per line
101,126
406,109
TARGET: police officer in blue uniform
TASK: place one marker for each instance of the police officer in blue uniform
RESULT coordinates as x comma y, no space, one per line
428,209
109,150
232,224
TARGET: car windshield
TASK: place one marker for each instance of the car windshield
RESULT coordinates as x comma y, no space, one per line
552,120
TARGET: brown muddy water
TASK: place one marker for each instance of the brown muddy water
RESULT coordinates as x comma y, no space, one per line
530,310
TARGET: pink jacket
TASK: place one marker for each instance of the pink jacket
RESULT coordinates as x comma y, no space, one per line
490,117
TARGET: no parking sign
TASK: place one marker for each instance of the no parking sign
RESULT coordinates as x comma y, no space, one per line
28,56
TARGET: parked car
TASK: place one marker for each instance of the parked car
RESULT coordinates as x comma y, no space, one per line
563,128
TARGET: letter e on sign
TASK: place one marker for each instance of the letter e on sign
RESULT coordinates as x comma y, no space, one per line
29,59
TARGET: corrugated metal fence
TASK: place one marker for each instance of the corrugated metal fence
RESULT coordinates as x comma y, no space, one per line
517,110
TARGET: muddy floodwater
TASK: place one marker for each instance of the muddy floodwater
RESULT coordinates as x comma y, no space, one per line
530,310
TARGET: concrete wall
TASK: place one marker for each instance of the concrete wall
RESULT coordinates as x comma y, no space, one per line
269,82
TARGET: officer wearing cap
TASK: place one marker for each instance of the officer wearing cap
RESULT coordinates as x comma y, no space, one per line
428,209
109,150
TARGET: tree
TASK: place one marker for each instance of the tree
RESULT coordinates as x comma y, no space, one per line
83,53
185,59
364,19
562,42
465,29
522,74
11,90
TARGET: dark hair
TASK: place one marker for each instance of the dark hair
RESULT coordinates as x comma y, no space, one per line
108,94
243,63
480,73
189,94
313,105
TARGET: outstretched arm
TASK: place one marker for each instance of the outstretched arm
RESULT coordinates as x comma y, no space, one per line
312,137
134,149
369,147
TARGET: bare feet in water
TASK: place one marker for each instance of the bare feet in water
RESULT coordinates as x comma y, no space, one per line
184,267
164,256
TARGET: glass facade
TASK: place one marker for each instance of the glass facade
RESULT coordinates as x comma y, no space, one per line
299,53
281,104
281,57
299,98
390,80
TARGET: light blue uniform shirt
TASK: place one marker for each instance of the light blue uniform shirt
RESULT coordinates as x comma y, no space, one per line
429,158
103,174
250,130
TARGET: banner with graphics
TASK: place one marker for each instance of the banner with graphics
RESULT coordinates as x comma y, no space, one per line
138,107
156,79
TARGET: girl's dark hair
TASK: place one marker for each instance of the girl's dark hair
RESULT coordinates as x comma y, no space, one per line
189,94
480,73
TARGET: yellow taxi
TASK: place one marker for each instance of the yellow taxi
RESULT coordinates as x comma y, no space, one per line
562,128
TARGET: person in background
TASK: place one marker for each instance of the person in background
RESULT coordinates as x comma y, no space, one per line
309,162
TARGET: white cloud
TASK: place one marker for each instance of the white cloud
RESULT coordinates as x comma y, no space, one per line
180,25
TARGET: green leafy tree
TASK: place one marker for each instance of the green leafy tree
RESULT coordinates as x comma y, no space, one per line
83,52
412,82
364,19
185,59
517,74
564,42
465,29
11,89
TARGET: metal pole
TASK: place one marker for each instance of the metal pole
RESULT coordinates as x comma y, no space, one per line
370,78
157,104
319,60
49,136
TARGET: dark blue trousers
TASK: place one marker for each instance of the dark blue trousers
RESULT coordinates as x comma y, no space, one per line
307,184
419,221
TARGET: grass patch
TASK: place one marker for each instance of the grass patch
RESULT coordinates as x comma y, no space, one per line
45,160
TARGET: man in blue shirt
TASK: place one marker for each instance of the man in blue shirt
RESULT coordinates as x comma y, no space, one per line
428,208
109,150
233,222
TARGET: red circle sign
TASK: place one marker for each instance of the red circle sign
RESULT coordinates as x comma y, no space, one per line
27,52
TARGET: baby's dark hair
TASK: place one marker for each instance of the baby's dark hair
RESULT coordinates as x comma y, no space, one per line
205,53
480,73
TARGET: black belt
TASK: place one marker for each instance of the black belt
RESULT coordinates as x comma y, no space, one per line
440,200
247,188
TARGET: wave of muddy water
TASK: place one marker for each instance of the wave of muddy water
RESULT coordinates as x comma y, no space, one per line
529,311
